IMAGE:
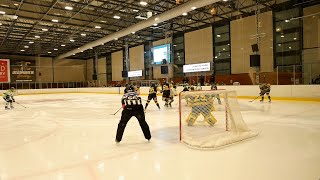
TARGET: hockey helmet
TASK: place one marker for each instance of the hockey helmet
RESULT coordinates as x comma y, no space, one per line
130,88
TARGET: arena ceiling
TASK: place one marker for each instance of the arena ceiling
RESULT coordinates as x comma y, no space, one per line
53,27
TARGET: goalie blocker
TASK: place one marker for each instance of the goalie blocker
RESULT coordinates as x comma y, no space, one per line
206,125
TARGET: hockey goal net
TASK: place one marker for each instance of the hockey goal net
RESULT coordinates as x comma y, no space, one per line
211,119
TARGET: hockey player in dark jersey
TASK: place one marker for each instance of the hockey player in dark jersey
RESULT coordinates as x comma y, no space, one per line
132,106
127,88
265,89
166,95
152,95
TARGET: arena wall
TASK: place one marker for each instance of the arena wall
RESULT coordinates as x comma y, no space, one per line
283,92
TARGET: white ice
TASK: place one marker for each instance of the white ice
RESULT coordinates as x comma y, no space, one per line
71,137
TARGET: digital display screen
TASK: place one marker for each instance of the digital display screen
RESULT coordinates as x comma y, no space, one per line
161,53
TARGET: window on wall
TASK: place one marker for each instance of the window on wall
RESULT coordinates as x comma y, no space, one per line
288,33
222,49
178,54
147,59
109,67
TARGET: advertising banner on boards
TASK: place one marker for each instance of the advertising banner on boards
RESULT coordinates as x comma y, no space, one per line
4,70
23,71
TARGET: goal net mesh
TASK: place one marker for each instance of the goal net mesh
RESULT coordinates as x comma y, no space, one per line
211,119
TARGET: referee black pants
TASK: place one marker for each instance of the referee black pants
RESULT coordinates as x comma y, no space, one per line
126,115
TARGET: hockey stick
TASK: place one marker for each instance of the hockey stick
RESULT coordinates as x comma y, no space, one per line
255,98
21,105
116,112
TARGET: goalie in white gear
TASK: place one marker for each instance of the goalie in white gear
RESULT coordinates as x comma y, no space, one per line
201,104
8,97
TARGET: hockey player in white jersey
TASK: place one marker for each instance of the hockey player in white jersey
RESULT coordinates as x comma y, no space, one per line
214,87
8,97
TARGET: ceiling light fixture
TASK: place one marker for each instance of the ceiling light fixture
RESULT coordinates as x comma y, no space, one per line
97,27
37,36
55,20
55,49
83,34
44,29
116,17
63,45
142,3
184,14
26,46
68,8
133,32
193,8
22,50
72,40
31,42
155,24
2,12
49,52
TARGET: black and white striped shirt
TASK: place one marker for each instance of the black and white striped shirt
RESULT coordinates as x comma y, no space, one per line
131,99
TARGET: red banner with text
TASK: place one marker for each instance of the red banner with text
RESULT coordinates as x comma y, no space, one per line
4,70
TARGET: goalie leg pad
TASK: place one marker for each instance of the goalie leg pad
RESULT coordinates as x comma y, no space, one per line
191,119
210,119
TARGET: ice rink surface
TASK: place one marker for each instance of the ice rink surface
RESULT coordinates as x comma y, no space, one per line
71,137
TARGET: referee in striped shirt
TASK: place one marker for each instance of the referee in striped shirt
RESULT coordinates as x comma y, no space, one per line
132,106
